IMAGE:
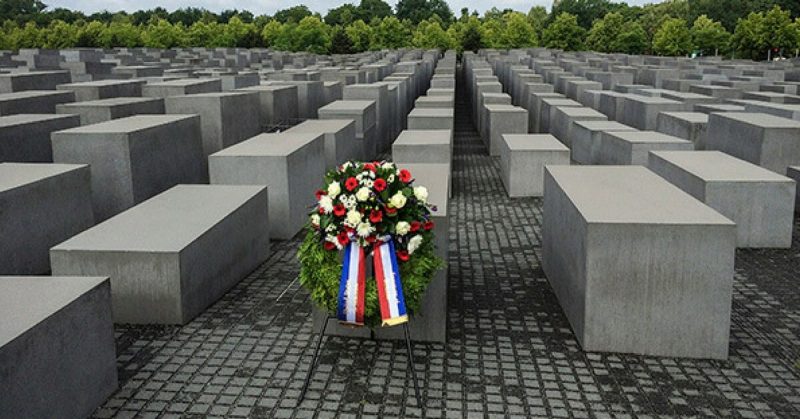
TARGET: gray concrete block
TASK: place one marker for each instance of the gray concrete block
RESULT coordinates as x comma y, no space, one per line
103,89
379,93
134,158
96,111
26,137
793,172
609,246
587,139
547,109
522,161
340,139
239,81
633,147
172,268
721,92
759,201
334,90
364,114
34,80
641,112
431,119
766,140
278,104
687,125
42,205
504,119
564,118
57,350
182,87
33,101
310,96
225,118
423,146
291,165
446,102
717,107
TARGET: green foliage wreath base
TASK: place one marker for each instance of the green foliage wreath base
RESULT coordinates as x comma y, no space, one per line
320,272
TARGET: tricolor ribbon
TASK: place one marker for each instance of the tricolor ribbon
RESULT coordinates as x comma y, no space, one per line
387,278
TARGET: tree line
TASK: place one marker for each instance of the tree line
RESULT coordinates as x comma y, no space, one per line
754,29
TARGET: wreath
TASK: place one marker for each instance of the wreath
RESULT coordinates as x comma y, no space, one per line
370,208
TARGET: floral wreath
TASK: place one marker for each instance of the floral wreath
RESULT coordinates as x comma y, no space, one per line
372,209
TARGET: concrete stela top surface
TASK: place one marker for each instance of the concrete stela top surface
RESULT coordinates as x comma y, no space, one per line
718,166
651,99
185,82
100,83
50,293
270,144
533,142
29,118
631,195
114,101
433,112
761,119
321,125
424,137
604,126
698,117
33,93
167,222
14,175
559,101
348,105
645,137
128,124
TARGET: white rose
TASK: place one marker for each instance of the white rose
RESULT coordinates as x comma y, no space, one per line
333,240
346,165
353,218
315,219
369,183
364,229
362,194
326,203
421,193
397,200
387,166
402,228
414,244
390,179
334,189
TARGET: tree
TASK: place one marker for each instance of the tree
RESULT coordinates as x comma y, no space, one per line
370,9
20,11
632,39
471,39
162,34
748,38
342,15
708,35
391,33
293,14
429,34
360,34
418,10
519,33
653,16
672,38
312,35
585,11
538,18
493,33
271,32
564,33
59,34
237,33
779,32
340,42
121,34
604,32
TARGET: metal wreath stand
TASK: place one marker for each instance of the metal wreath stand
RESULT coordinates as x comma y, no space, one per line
409,365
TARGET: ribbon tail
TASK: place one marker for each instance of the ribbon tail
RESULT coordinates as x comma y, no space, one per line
390,290
352,286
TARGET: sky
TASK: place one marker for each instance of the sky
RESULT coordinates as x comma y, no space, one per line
259,7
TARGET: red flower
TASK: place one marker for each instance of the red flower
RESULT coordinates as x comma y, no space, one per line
329,246
351,183
405,176
390,211
321,211
372,239
339,210
415,225
379,185
428,226
402,255
375,216
343,239
370,167
319,193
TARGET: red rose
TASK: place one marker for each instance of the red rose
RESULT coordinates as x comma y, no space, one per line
319,193
402,255
329,246
375,216
428,226
343,239
372,239
379,185
370,167
405,176
351,183
415,225
339,210
321,211
390,211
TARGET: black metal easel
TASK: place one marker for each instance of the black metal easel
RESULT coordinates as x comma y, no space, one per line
409,365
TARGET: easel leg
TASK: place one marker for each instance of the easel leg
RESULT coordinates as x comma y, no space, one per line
313,360
411,363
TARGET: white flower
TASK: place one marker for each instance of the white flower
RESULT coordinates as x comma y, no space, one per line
353,218
333,240
362,194
402,228
421,193
387,165
360,176
326,203
346,165
330,228
334,189
369,183
365,229
397,200
414,244
315,219
390,179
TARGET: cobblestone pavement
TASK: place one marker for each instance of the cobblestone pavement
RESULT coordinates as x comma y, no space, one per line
510,350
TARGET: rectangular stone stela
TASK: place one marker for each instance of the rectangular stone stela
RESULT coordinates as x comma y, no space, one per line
638,265
163,256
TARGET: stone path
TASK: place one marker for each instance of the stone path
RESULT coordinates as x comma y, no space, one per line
510,352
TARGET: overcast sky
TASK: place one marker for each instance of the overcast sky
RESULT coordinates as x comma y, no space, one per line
270,6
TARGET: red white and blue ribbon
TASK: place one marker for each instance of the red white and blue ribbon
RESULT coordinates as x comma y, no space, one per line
352,285
387,278
390,289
